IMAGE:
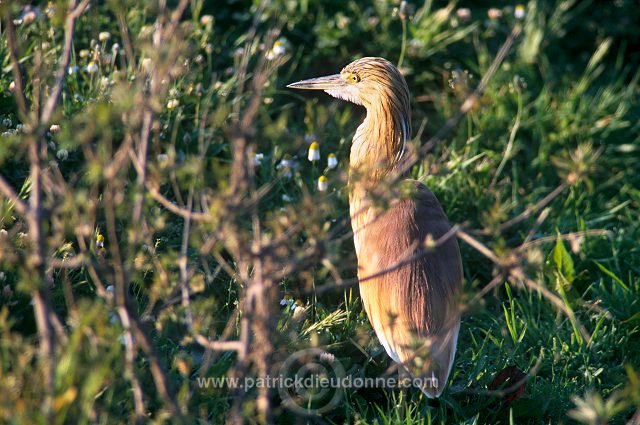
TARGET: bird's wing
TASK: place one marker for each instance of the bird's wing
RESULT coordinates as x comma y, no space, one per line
412,305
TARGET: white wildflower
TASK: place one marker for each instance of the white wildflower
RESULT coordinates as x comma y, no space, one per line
104,36
92,68
285,162
72,70
278,50
520,11
100,243
257,159
323,184
286,198
12,86
314,152
55,128
332,161
172,104
206,19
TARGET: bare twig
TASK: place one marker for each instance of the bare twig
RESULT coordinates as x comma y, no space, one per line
75,10
535,207
21,100
12,196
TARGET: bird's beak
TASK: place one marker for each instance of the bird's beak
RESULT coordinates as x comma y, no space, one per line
330,82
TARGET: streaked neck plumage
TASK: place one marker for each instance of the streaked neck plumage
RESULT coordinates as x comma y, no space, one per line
376,149
379,142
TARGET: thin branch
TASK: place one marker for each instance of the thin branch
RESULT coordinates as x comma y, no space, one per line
479,246
13,197
218,345
21,100
419,253
63,62
529,211
183,263
566,237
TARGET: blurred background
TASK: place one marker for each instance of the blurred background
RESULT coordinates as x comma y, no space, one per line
160,221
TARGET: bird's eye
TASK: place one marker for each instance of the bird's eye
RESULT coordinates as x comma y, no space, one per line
354,78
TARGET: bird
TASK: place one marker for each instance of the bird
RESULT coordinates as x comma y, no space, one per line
410,293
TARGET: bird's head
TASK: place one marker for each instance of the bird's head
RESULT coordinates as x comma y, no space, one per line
371,82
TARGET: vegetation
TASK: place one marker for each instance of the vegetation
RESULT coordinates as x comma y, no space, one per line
160,221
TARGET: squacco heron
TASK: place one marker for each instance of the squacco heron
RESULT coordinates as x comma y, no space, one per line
412,305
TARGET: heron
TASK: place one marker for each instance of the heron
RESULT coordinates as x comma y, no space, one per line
411,305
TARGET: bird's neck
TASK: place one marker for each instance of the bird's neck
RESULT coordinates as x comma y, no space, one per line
378,144
377,148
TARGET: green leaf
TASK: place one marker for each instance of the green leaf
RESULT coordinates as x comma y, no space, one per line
612,276
563,262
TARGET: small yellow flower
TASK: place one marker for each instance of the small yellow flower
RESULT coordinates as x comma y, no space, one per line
314,151
323,184
519,11
104,36
100,240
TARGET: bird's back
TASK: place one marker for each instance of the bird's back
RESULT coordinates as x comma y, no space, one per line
412,307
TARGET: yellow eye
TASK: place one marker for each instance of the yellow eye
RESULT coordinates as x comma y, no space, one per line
354,78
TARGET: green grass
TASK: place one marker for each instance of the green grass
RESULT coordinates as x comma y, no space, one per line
562,110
